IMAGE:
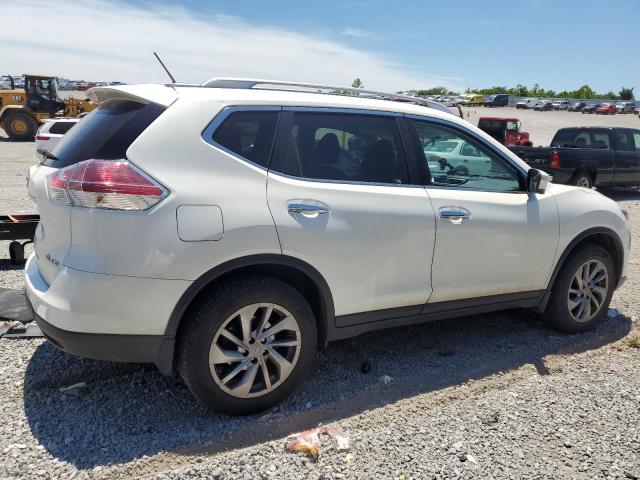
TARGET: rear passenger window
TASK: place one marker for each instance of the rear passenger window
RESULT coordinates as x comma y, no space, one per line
636,140
249,134
345,147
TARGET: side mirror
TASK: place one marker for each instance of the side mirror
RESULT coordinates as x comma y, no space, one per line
537,181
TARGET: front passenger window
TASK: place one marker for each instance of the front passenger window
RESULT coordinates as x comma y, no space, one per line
466,163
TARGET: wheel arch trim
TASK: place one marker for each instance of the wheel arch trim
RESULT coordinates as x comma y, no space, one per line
617,242
257,260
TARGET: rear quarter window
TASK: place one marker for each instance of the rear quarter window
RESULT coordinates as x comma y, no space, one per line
248,134
106,133
60,128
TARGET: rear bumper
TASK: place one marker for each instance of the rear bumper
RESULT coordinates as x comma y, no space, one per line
105,317
154,349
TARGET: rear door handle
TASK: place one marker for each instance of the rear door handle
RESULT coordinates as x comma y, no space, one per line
454,214
309,210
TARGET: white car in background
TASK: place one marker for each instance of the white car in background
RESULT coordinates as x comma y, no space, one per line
52,131
560,105
456,156
229,230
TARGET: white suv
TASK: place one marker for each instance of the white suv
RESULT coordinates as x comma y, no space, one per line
229,230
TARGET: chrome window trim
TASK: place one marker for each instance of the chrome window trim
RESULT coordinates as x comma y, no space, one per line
207,133
481,141
348,110
345,182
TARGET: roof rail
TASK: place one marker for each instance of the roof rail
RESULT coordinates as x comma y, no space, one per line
259,84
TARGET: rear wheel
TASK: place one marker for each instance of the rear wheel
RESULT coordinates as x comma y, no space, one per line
582,292
582,179
20,126
247,345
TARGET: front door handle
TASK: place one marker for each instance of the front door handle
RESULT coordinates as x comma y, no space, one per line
454,214
308,210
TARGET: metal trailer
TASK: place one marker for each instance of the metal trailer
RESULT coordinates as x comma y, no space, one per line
15,228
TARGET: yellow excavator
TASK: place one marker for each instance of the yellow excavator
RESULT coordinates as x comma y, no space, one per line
22,111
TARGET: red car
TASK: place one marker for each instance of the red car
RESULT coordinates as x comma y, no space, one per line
606,109
505,130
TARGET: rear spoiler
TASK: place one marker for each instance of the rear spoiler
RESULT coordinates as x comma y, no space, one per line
145,93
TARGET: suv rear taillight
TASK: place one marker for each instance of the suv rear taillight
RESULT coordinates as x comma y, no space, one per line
555,159
105,184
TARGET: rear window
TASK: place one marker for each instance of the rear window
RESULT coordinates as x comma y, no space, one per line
106,133
60,128
581,138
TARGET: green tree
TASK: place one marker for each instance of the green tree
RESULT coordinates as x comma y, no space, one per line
585,91
434,91
357,83
626,94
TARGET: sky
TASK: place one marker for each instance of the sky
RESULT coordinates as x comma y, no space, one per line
401,45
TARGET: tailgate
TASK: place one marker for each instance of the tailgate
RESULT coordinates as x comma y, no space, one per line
534,156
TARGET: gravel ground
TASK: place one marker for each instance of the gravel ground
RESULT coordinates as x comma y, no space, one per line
491,396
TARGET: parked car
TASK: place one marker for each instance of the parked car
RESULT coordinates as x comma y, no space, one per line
606,109
543,106
499,100
560,105
473,99
591,108
293,219
51,132
505,130
588,156
527,103
576,106
625,107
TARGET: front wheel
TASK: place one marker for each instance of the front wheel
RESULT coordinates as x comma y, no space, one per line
247,345
582,292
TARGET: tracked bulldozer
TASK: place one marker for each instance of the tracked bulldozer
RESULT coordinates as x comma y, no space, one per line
22,111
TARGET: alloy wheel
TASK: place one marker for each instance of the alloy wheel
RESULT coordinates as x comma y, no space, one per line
588,291
255,350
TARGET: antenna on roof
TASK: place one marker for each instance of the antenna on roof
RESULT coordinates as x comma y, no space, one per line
173,80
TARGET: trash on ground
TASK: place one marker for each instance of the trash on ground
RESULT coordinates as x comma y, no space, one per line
612,367
386,379
77,389
613,313
307,442
471,458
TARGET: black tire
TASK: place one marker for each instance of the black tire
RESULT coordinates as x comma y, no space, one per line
11,122
557,312
16,253
206,317
581,178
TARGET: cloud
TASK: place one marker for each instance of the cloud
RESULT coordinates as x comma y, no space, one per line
100,40
357,32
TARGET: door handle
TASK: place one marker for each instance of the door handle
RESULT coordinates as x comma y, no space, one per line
454,214
309,210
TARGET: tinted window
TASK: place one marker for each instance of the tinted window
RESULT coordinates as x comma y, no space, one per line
249,134
345,147
60,128
469,165
581,138
106,133
625,141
